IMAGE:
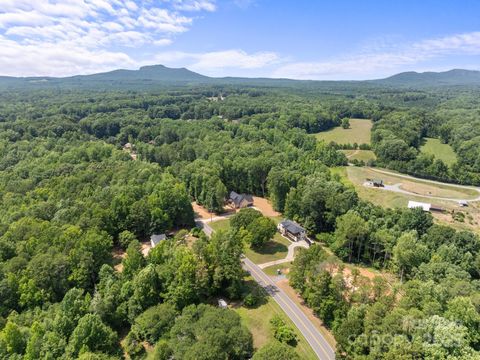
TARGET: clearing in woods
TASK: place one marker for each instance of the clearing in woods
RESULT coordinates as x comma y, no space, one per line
356,176
361,155
359,132
441,151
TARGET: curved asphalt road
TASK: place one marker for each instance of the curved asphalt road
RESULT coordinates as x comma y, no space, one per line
318,343
316,340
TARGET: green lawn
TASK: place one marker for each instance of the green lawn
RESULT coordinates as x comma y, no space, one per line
257,320
359,132
364,155
218,225
275,249
272,270
441,151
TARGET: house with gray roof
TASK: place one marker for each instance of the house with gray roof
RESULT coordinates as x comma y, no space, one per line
239,201
292,230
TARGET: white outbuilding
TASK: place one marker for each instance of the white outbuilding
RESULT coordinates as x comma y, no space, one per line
416,204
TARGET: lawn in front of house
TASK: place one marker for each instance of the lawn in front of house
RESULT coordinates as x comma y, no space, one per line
275,249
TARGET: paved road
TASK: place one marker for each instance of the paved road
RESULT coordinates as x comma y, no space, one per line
316,340
318,343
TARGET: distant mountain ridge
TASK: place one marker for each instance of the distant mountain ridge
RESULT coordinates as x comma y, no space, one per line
151,72
451,77
160,75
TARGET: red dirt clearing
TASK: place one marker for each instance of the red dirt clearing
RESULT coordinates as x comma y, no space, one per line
264,206
201,212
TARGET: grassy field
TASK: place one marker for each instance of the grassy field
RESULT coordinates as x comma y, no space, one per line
218,225
359,132
275,249
363,155
257,320
272,270
441,151
358,176
355,176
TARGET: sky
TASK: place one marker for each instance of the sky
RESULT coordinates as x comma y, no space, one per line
299,39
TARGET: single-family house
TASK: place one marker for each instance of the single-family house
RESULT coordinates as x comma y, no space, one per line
292,230
239,201
156,238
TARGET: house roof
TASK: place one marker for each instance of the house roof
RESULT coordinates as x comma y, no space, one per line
415,204
156,238
238,198
292,227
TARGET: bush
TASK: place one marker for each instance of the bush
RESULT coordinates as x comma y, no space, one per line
154,322
276,351
133,346
250,300
196,232
282,332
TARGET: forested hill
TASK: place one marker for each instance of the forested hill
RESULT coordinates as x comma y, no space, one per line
158,76
452,77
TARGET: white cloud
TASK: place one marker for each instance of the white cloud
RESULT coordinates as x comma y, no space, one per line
99,31
195,5
211,62
56,60
369,63
162,42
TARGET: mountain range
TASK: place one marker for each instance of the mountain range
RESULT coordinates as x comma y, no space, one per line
159,75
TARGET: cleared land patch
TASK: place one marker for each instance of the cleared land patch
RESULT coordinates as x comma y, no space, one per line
355,176
358,175
359,132
441,151
361,155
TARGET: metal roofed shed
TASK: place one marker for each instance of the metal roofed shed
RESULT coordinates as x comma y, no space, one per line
156,238
416,204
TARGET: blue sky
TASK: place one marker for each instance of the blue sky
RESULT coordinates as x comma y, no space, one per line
314,39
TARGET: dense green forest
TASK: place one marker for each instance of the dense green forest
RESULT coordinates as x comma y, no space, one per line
71,195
